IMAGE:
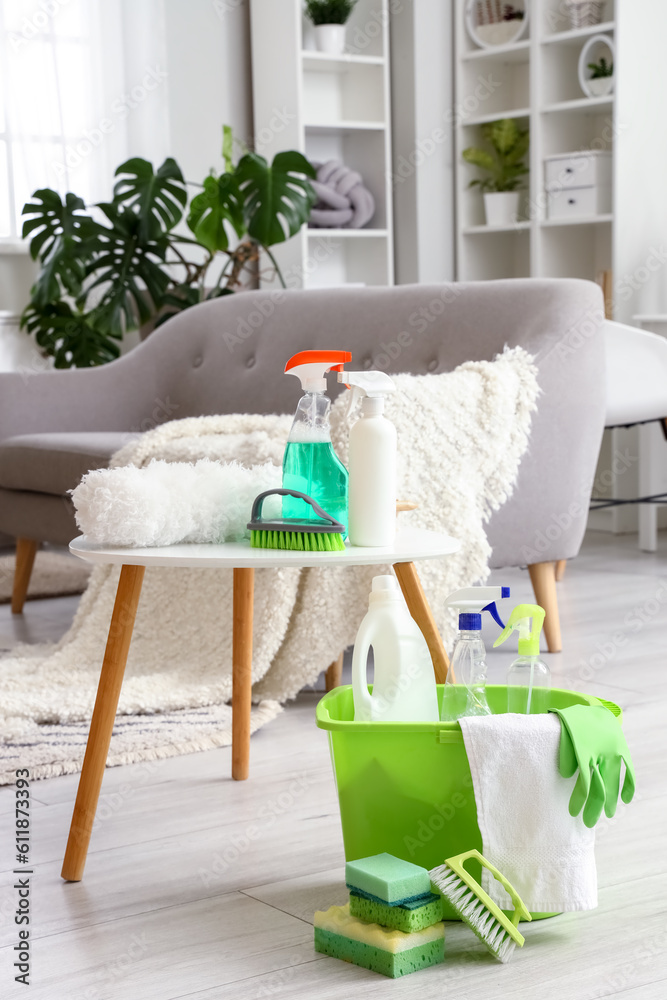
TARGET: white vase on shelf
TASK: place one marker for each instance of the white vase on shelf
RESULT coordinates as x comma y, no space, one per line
330,38
600,86
501,207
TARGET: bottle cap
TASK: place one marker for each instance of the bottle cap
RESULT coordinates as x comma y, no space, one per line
384,588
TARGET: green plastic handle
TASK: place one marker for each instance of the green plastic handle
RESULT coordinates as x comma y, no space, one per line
520,910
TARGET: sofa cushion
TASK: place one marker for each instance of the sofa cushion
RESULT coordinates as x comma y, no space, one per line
54,463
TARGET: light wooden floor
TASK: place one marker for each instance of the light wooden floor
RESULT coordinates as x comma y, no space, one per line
200,887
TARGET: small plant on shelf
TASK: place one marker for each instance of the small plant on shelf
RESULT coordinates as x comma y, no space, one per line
330,18
601,69
510,13
329,11
503,163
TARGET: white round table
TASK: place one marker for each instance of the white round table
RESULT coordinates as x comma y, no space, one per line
410,544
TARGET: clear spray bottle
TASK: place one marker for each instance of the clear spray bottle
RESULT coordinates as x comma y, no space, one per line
528,678
310,464
464,693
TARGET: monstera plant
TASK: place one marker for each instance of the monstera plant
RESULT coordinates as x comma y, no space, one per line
105,273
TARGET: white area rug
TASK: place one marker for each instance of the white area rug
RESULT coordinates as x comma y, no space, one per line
54,574
461,437
59,749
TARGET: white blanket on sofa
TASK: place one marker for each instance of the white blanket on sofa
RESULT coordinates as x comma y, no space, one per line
461,437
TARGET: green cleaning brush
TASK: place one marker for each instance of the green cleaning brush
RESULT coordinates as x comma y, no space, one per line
498,932
321,534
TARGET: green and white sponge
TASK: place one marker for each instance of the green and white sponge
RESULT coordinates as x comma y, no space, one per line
402,918
387,878
390,952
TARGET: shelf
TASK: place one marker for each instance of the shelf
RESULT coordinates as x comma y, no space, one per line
516,52
576,34
494,116
509,228
327,127
325,63
584,104
585,220
323,231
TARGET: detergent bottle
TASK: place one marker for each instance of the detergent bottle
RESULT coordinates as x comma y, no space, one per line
404,688
528,678
310,464
464,692
372,461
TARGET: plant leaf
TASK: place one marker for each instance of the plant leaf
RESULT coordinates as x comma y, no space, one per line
158,199
71,338
219,203
63,240
128,270
479,158
227,148
277,198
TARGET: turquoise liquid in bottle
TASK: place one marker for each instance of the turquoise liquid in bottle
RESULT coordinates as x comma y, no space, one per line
315,469
311,465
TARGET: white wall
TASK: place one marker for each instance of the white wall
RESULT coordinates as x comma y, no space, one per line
422,94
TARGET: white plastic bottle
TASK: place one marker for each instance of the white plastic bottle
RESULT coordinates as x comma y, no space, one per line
404,688
372,462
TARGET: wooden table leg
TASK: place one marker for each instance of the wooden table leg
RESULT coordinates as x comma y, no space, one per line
334,673
244,581
420,610
101,726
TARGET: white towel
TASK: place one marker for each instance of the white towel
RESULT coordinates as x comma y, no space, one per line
522,812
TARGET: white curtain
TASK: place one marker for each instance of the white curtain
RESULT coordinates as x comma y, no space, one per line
83,86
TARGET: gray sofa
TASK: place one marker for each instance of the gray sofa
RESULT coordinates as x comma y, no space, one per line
228,355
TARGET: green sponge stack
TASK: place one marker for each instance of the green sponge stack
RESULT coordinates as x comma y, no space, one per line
393,922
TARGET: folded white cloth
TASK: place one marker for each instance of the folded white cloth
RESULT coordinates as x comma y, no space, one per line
522,812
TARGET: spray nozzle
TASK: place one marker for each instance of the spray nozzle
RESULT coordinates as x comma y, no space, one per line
527,619
371,386
312,366
472,601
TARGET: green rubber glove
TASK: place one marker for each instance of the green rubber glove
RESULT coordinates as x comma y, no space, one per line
592,741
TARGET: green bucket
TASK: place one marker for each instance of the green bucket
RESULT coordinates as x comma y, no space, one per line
405,787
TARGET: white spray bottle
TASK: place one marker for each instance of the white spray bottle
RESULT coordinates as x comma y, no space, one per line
404,688
465,688
528,678
372,462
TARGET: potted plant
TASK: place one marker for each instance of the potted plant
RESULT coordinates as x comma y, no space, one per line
601,79
329,18
504,166
104,274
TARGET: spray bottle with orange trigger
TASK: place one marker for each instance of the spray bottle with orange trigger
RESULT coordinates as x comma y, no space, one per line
310,464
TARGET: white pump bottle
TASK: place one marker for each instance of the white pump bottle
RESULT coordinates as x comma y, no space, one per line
372,462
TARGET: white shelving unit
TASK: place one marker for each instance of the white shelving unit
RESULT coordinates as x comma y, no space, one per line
535,80
329,107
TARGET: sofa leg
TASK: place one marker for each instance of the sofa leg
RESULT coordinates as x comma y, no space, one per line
334,673
560,569
543,579
26,549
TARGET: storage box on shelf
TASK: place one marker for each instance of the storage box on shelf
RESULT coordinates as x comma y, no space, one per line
578,184
337,107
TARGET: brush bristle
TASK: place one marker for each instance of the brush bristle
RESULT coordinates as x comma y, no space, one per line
297,541
473,911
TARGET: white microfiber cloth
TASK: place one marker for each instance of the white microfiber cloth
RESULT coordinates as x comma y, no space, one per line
522,812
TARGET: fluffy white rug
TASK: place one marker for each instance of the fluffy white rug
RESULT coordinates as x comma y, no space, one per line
461,438
54,574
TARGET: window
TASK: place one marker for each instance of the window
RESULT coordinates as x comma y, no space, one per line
76,98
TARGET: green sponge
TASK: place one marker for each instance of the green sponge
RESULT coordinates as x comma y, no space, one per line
390,952
399,917
389,879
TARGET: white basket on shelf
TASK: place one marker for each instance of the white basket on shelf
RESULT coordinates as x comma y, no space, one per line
583,13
